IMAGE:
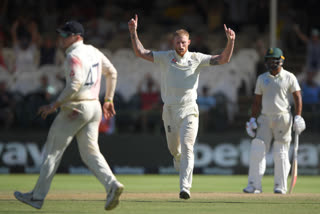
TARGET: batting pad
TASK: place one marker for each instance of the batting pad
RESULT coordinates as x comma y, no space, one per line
257,164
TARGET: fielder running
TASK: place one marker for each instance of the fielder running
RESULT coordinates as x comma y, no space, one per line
179,83
272,92
80,116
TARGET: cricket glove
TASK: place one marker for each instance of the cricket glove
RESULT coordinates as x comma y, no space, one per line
298,124
251,126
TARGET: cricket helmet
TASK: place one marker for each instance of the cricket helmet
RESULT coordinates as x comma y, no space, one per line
274,58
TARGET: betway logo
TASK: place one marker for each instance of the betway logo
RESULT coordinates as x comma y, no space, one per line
15,153
224,155
229,155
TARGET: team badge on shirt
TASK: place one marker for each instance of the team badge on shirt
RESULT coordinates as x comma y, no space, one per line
266,81
174,61
189,62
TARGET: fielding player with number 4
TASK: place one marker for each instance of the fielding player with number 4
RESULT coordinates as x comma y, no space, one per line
179,83
272,93
80,116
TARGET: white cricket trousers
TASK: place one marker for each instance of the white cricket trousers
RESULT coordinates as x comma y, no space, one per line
81,120
276,128
181,125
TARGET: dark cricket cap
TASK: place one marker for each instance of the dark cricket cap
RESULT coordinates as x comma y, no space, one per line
71,28
274,53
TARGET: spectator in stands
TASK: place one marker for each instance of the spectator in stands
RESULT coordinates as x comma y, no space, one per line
311,100
149,94
261,50
166,42
49,52
25,39
43,95
107,126
206,103
47,91
198,44
7,106
215,14
313,48
106,27
2,61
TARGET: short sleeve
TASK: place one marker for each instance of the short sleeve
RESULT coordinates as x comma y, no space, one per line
204,59
294,84
160,56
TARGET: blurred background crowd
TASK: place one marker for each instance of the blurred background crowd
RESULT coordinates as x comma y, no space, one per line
31,61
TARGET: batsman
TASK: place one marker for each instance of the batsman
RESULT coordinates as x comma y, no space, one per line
271,100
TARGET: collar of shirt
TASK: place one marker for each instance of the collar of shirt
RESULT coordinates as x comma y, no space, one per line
73,46
183,58
280,74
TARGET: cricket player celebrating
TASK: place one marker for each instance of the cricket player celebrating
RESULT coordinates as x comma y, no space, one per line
80,116
272,92
179,83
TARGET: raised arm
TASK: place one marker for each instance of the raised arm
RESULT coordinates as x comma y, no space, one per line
301,35
225,56
138,48
14,32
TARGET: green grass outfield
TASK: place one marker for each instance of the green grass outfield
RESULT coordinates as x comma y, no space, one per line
158,194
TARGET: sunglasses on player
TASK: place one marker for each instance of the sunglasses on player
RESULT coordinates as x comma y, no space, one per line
65,34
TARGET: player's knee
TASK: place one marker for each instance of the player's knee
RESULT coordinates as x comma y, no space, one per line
280,151
173,151
258,148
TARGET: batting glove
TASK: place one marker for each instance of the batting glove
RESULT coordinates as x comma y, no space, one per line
298,124
251,126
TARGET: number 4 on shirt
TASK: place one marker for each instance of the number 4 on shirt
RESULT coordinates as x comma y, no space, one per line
92,75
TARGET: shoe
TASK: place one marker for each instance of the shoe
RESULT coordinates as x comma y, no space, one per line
176,162
184,195
113,195
278,191
28,199
251,189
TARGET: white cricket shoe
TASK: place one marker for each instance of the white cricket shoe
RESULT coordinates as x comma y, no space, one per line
251,189
113,195
28,199
279,191
176,162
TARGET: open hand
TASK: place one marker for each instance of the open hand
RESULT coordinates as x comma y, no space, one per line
108,110
44,111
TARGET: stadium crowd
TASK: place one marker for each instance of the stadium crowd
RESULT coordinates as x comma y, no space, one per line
31,59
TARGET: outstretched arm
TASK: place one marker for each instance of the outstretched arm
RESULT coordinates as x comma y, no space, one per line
138,48
225,56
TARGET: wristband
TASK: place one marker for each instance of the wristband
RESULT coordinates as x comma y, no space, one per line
108,101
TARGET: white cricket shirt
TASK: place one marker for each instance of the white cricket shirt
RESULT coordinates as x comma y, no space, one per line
276,90
83,68
180,75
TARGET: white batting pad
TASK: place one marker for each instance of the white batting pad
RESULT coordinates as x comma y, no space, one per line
257,164
281,165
